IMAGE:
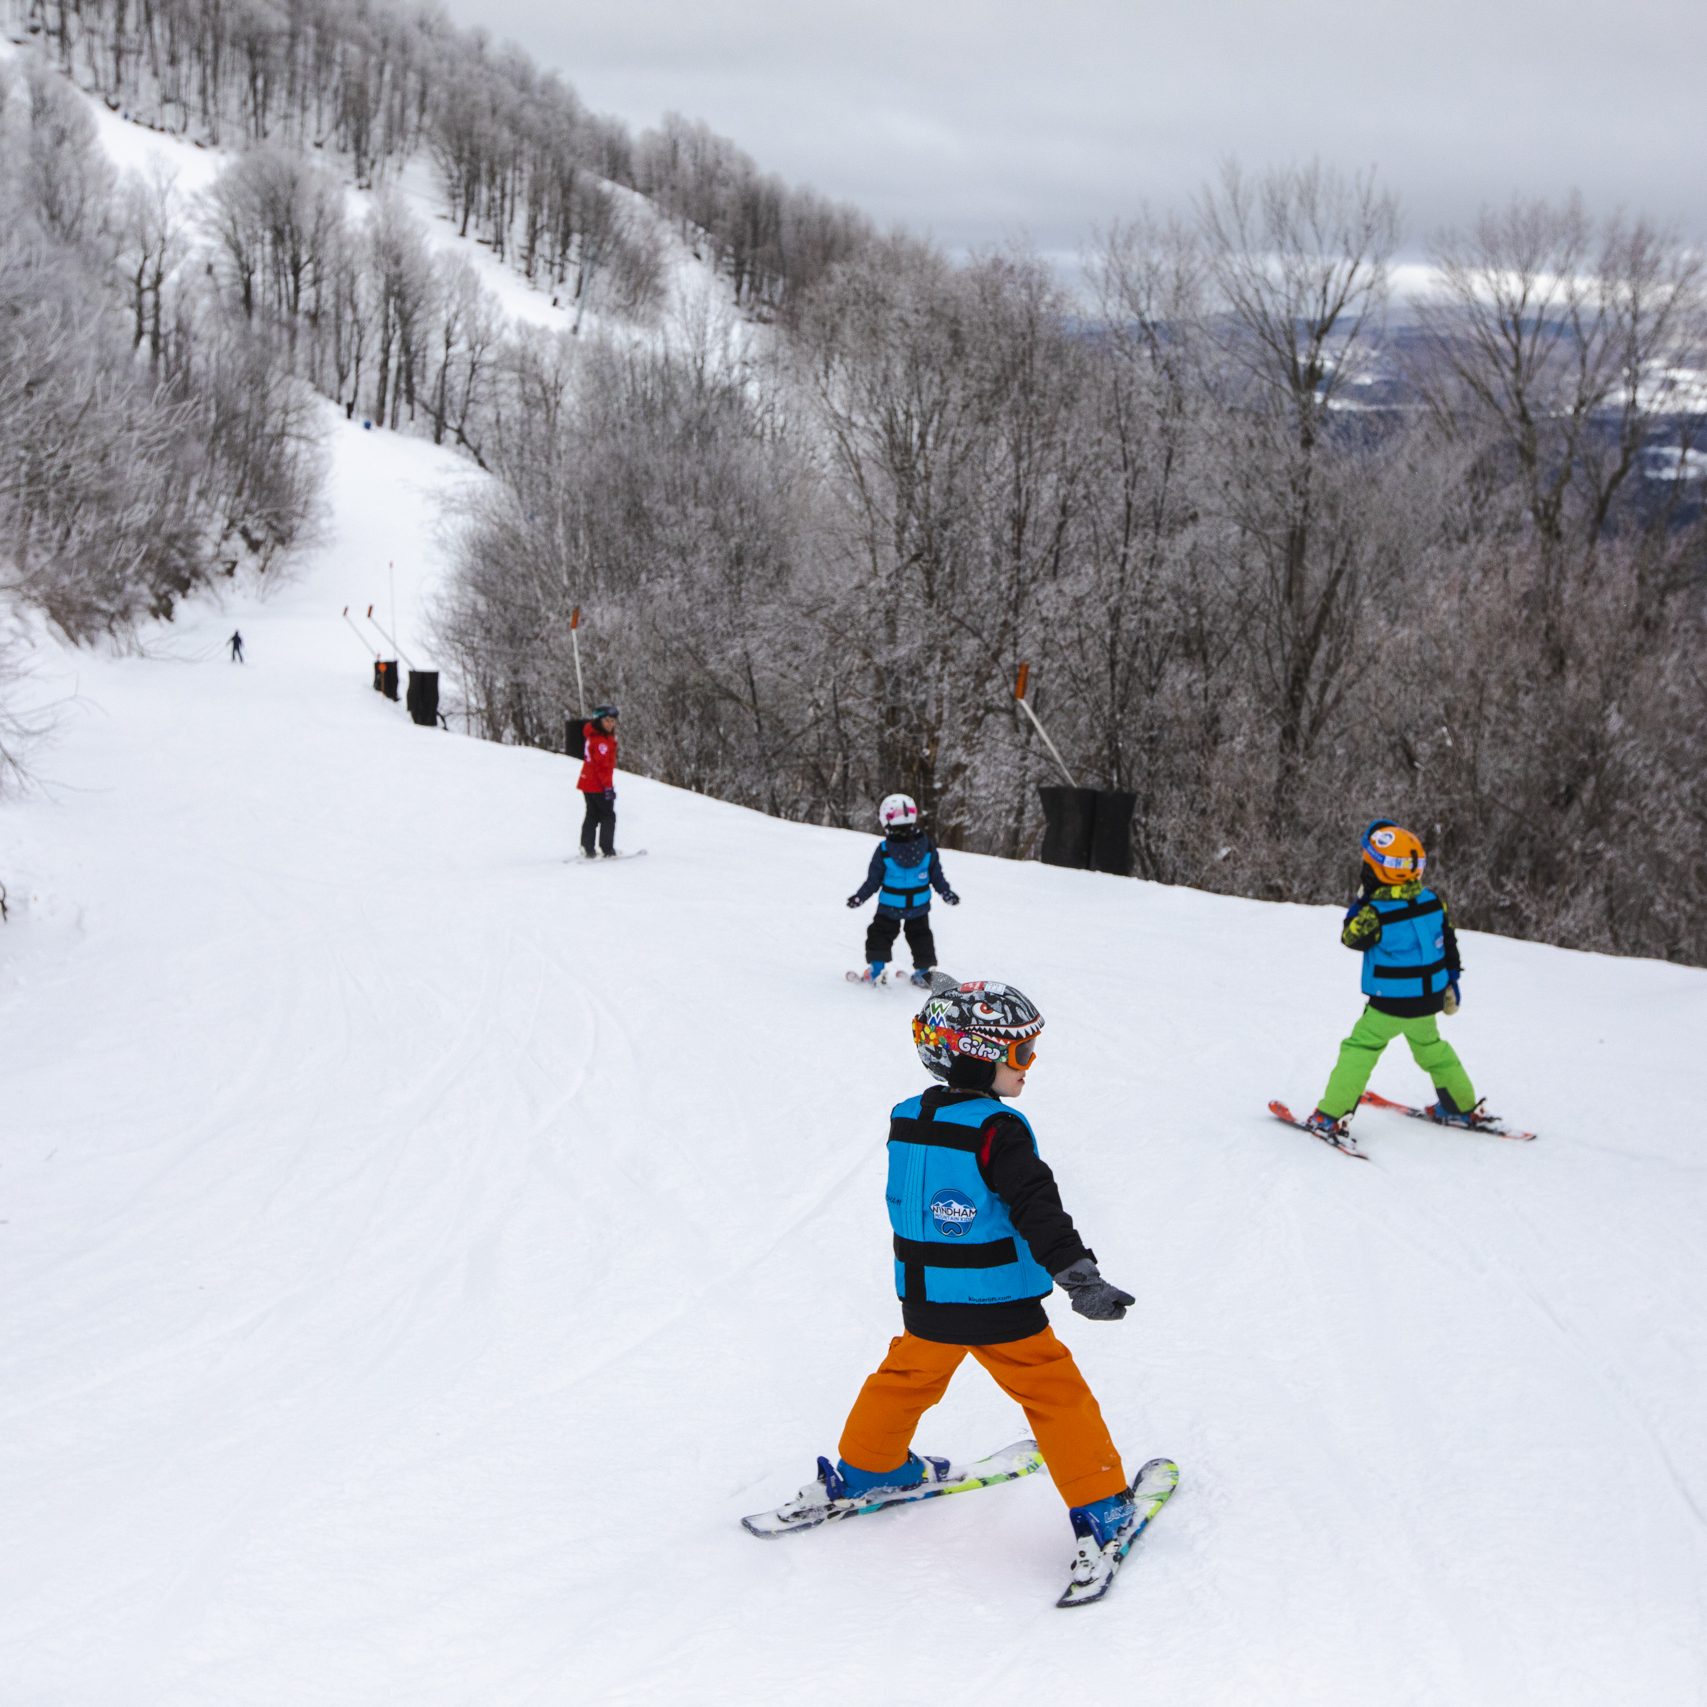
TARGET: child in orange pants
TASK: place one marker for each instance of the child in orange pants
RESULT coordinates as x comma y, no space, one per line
980,1240
1038,1373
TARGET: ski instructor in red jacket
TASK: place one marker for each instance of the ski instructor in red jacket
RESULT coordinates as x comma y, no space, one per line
598,773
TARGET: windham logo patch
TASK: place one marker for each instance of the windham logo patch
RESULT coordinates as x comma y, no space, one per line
953,1213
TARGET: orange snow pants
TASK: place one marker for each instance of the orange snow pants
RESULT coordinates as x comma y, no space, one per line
1038,1373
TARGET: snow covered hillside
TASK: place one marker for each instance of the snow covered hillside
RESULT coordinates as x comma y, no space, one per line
417,1252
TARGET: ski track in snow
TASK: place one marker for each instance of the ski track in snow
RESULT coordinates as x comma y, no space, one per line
396,1231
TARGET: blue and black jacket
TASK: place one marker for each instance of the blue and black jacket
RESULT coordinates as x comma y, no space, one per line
1409,949
976,1219
903,872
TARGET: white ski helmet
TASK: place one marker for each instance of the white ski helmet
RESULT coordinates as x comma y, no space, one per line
898,812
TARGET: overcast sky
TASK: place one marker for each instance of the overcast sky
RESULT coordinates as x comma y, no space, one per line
974,120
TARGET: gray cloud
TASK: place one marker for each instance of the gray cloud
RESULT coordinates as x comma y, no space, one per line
979,121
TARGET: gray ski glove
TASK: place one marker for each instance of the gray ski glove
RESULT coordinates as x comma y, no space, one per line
1092,1295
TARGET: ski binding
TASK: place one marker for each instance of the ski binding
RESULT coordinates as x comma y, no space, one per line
1347,1146
1495,1128
805,1511
1094,1567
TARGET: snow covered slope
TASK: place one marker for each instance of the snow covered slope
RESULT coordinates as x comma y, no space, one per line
417,1252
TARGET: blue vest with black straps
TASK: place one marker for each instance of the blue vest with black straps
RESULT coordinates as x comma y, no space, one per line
954,1240
1410,958
906,888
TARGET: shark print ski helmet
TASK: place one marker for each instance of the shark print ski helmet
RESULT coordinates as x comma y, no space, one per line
898,812
985,1021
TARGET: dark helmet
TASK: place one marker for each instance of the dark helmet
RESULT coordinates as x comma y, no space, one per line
602,711
978,1026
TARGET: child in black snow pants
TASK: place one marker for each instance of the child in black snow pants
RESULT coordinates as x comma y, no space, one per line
904,870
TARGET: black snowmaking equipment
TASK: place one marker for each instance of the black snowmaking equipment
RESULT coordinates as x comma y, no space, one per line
1086,829
422,694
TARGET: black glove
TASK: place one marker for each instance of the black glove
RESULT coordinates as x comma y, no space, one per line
1092,1295
610,794
950,899
854,901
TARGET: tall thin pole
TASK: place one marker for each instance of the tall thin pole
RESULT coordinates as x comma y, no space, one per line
366,647
575,643
1020,682
391,642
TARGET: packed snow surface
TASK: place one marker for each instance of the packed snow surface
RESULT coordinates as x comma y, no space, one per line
417,1252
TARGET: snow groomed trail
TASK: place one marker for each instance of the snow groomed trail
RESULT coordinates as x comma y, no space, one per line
416,1253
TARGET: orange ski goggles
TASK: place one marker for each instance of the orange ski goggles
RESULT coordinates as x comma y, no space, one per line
1017,1052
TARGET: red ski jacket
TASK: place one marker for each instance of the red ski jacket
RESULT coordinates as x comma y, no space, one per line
598,767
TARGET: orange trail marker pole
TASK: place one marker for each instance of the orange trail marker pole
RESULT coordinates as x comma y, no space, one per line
1020,684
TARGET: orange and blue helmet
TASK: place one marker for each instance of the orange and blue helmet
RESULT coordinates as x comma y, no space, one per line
1393,853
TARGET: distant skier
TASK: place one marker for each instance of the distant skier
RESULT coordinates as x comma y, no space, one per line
980,1239
904,870
1410,974
597,783
236,645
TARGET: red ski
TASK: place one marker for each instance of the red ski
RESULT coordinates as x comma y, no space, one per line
1486,1123
1347,1146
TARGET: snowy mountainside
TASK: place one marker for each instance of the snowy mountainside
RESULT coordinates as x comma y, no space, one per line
418,1251
690,287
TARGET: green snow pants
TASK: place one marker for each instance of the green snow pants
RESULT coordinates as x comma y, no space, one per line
1372,1033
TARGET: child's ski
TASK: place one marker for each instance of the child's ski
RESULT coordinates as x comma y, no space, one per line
1347,1146
863,976
1008,1465
1094,1568
604,858
1488,1123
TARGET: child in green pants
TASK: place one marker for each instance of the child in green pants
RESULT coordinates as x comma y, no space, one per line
1410,975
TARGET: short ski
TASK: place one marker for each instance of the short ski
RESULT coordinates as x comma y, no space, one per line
865,977
581,859
1494,1128
1008,1465
1346,1146
1094,1569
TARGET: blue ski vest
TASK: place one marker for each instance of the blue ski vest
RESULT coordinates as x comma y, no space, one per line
906,889
954,1240
1410,958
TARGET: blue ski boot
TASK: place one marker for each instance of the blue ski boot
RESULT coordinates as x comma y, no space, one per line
841,1489
1102,1521
1332,1127
921,975
1446,1112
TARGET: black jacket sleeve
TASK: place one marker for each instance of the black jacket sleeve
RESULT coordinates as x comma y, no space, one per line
1453,964
938,877
1021,1179
873,877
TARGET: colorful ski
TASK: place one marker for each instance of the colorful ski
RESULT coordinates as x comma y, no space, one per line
1094,1568
1493,1127
1347,1146
1008,1465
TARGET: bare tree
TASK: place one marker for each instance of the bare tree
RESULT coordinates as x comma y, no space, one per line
1299,261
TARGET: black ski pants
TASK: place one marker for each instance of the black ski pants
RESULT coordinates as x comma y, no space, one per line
600,821
880,937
